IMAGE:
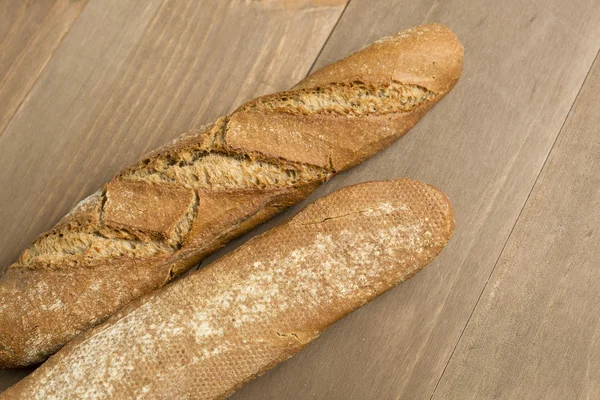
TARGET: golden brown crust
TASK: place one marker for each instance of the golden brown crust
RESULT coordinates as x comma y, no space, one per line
162,215
348,142
427,55
257,306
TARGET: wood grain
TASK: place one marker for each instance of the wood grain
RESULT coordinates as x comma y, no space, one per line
484,145
535,333
30,32
131,76
43,148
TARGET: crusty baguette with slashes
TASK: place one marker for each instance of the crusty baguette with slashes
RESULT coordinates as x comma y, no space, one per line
164,214
207,334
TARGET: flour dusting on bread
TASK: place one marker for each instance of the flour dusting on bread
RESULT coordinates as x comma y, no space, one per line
261,303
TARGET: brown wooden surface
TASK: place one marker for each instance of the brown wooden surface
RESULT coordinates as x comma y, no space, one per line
130,76
30,31
535,332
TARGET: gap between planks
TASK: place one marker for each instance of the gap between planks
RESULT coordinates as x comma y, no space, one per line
312,66
207,260
515,224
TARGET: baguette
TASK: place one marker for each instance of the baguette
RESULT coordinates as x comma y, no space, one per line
164,214
207,334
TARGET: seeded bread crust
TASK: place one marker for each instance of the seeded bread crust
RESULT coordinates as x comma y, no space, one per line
206,335
164,214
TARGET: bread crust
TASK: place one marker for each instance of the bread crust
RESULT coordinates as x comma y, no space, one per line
164,214
257,306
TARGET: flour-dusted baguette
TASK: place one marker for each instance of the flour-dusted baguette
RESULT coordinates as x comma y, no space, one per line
165,213
206,335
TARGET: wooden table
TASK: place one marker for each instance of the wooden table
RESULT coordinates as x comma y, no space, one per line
510,310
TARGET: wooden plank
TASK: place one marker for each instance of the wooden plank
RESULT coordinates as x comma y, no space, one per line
133,75
484,145
30,32
535,333
41,150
